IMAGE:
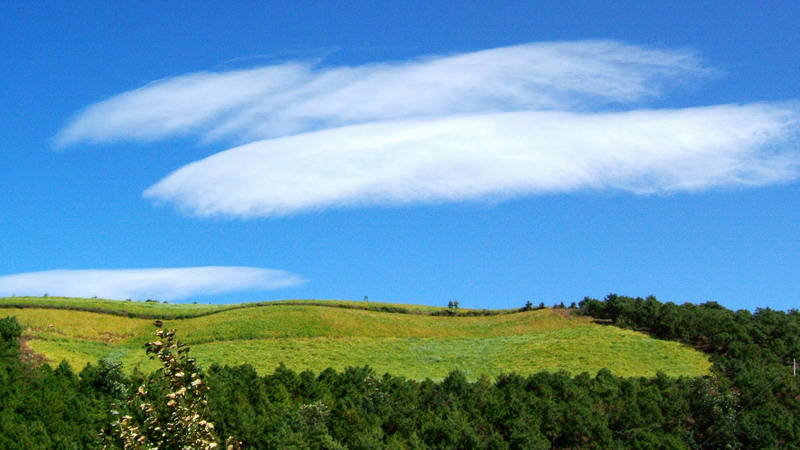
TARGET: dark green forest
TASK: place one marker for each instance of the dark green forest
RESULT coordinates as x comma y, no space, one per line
752,399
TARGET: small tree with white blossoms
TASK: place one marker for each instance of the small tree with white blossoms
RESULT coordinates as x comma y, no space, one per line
172,405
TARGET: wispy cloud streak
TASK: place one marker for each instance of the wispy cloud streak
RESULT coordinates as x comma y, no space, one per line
491,155
162,284
294,97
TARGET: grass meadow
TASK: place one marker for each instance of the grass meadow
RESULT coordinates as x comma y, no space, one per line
308,335
188,310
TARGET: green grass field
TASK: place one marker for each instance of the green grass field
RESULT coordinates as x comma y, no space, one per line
312,335
188,310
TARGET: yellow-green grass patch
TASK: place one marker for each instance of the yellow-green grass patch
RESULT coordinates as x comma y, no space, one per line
577,350
297,321
412,345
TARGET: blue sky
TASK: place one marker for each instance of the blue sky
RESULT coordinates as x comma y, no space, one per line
416,152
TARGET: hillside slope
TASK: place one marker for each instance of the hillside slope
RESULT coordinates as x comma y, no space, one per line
307,335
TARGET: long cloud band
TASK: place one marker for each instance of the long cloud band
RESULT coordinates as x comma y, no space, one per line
475,156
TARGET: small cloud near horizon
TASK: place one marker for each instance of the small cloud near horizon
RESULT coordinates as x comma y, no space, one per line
141,284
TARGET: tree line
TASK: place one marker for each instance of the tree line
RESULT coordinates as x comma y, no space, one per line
751,399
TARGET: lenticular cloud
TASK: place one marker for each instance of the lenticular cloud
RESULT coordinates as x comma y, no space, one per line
522,120
162,284
476,156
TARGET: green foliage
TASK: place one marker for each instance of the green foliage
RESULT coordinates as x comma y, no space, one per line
41,407
355,408
10,329
750,399
106,378
752,352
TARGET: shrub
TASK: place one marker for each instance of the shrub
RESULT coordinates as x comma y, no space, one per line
169,410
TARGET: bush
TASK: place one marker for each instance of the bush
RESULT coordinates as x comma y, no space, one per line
170,410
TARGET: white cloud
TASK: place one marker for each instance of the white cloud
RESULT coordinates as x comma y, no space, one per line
161,284
292,98
523,120
473,156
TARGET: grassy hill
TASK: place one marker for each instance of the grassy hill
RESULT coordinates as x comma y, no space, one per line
315,335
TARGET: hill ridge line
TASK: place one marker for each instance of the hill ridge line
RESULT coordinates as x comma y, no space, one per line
444,312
